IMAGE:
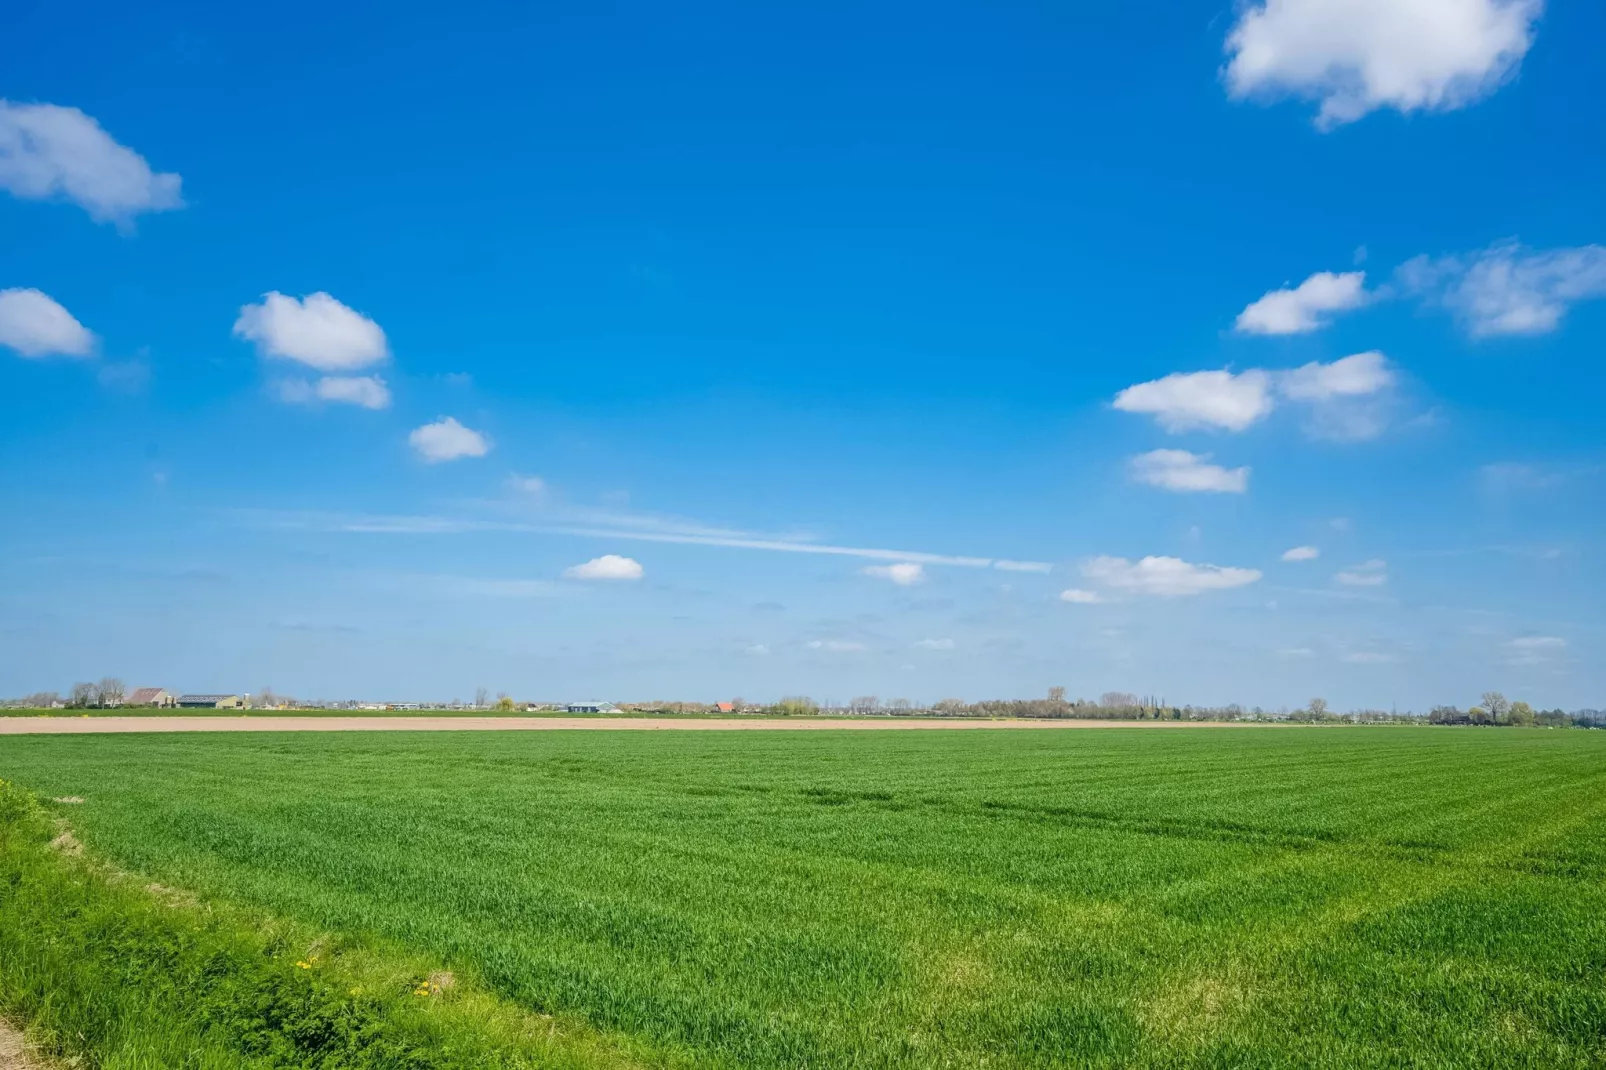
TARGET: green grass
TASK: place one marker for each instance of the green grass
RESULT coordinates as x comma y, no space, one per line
1246,898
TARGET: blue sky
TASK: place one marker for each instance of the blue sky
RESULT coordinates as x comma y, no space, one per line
637,352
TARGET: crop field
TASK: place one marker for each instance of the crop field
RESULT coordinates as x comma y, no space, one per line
1284,897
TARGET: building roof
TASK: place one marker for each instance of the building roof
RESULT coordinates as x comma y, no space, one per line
142,695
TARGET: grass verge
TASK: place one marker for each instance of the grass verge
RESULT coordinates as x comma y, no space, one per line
113,973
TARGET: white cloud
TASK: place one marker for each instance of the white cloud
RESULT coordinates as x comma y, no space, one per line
48,152
1165,576
935,644
1302,553
1080,597
1369,657
532,485
1508,288
1180,470
836,646
447,440
1304,308
34,325
1184,401
369,391
1539,642
758,650
1373,573
607,567
904,573
1023,566
317,331
1356,56
1356,375
1297,652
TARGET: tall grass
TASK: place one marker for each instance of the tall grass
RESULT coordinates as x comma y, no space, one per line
1289,898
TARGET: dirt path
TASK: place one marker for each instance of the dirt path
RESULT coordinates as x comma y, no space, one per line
14,1051
27,726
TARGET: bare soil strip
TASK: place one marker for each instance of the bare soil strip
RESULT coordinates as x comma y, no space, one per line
30,726
14,1050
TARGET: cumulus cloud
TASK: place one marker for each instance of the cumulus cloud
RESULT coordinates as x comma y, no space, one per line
317,331
1346,398
1356,56
34,325
836,646
935,644
368,391
447,440
1307,307
48,152
1165,576
904,573
1302,553
1356,375
1508,288
607,567
1184,401
1373,573
1080,597
1180,470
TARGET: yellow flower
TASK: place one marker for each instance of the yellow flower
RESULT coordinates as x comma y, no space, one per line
304,965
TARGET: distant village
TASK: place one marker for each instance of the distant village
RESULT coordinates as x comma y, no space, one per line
1493,709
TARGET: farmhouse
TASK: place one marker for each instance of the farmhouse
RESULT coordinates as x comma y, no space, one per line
592,707
212,702
150,696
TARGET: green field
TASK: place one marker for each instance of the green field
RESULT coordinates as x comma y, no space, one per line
1293,897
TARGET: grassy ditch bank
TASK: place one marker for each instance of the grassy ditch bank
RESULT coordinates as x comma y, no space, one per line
111,972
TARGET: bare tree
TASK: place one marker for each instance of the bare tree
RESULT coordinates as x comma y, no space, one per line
1318,707
950,706
111,691
900,704
1118,700
481,696
1498,705
82,694
1056,695
43,700
865,702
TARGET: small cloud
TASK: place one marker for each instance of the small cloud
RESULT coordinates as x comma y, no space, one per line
1356,375
317,331
1538,642
35,325
48,152
1535,649
1341,523
904,573
759,650
367,391
531,485
1302,553
1186,472
1369,657
1409,55
1023,566
1080,597
1167,577
1373,573
606,567
935,644
836,646
1508,289
1215,399
1296,652
447,440
1306,307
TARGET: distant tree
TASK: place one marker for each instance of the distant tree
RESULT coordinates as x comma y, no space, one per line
865,702
738,703
1318,707
504,704
480,697
899,704
1118,700
111,691
1497,705
1056,695
1446,715
950,706
1520,713
82,694
1479,715
42,700
794,705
